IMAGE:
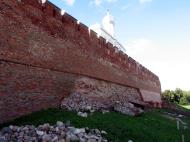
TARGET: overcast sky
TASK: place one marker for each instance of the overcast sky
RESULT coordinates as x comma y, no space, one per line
154,32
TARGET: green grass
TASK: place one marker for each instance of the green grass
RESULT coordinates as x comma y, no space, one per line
186,106
150,127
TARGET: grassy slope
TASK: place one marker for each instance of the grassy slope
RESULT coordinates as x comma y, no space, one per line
150,127
186,106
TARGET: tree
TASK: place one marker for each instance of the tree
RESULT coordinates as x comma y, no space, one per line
177,96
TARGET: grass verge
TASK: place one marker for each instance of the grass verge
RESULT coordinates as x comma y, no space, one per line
149,127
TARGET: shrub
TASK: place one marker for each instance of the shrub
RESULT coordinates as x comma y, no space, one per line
177,96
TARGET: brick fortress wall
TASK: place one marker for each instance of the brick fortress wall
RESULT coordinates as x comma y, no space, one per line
43,52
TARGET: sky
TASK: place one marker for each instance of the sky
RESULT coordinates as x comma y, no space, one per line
156,33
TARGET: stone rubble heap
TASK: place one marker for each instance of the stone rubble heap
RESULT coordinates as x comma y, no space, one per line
46,133
128,109
86,104
78,102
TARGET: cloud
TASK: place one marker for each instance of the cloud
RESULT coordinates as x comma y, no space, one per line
69,2
125,7
169,63
99,2
142,50
111,0
95,26
144,1
139,46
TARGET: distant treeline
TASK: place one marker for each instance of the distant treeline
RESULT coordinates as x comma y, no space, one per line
177,96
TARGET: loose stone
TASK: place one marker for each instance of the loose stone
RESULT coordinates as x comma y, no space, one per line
59,132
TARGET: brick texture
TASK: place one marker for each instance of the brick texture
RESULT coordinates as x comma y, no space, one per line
42,52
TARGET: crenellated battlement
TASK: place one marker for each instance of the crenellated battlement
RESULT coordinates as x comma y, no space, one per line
108,49
69,27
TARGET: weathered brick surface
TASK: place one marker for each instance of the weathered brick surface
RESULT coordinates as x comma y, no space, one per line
24,89
100,95
38,37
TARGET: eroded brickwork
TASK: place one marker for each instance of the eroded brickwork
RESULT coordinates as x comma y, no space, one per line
99,95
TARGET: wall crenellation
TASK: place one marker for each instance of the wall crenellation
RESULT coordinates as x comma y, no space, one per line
93,35
110,52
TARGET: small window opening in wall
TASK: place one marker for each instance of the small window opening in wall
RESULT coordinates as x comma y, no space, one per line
78,27
62,19
43,7
54,12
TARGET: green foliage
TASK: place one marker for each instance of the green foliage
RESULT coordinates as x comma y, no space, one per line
186,106
177,96
149,127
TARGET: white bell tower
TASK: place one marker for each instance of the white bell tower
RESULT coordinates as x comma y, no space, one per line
107,31
108,24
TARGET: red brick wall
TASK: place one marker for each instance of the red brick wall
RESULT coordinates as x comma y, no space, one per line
24,89
38,37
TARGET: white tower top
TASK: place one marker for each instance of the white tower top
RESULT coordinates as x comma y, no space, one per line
108,24
106,30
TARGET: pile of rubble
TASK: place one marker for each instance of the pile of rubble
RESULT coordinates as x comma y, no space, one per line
128,109
84,104
46,133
